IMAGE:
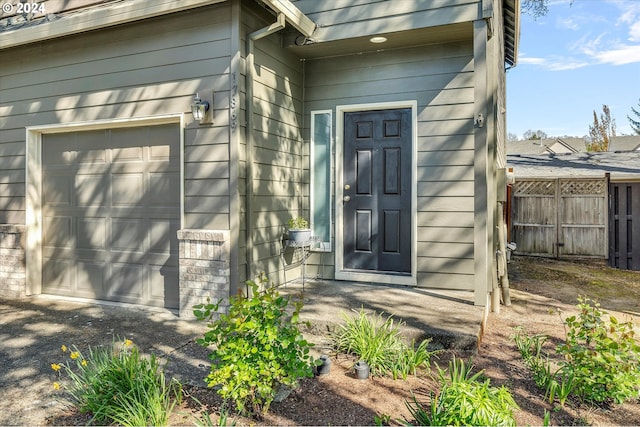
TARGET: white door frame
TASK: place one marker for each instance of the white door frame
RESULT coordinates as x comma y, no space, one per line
363,275
33,181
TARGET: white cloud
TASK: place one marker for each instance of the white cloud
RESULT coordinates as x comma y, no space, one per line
634,32
553,63
569,23
607,49
534,61
621,55
609,34
630,19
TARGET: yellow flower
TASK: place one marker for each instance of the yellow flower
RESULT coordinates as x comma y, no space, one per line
56,367
75,354
128,342
84,362
56,386
63,348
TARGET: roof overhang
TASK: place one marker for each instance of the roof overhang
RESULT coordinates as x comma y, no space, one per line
293,15
511,18
97,18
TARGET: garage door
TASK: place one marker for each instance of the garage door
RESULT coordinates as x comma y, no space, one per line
111,211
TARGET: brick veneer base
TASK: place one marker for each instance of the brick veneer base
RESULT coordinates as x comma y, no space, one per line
12,261
204,268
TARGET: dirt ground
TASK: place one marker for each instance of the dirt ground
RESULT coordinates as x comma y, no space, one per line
543,293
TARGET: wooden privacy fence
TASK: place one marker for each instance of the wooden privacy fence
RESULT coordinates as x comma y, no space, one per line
560,217
624,220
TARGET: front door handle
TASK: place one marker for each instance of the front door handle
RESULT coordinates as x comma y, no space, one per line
346,198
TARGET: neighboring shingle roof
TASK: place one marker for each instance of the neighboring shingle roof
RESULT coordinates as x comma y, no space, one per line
625,143
546,145
619,165
566,145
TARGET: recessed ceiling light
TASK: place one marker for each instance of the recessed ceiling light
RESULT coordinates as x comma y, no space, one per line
378,39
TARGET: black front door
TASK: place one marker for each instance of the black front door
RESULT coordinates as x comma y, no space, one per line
377,191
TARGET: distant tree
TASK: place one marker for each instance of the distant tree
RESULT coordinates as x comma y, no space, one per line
535,8
602,130
512,137
635,124
534,134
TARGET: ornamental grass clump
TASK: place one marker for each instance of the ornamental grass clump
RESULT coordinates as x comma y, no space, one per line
465,400
257,347
116,384
379,342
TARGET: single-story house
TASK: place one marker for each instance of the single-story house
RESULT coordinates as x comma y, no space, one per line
567,145
577,205
152,151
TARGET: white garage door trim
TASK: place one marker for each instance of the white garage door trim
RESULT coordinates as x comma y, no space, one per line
33,181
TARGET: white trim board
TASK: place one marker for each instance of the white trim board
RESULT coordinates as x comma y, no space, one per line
363,275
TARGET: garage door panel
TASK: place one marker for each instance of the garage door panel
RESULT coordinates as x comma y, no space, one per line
57,274
163,236
91,233
112,213
127,189
161,153
161,184
91,190
127,154
127,235
57,231
89,147
161,279
126,281
57,190
90,277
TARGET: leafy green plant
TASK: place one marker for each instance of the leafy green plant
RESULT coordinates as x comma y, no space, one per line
382,420
205,419
602,358
118,385
547,376
465,399
257,347
298,223
378,341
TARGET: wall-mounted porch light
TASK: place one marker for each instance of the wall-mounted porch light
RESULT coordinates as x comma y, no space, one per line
199,108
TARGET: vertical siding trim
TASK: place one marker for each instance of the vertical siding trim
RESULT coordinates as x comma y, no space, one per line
481,212
235,139
250,60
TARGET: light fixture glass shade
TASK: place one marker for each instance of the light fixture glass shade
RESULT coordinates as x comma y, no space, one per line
199,108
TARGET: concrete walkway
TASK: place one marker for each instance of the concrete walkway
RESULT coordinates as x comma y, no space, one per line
449,318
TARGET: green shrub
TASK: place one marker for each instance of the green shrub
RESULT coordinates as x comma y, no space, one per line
117,385
464,399
602,357
379,342
600,360
257,347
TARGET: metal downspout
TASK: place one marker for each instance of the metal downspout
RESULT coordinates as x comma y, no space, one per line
251,38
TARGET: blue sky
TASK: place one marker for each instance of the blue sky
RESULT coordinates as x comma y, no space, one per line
578,57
